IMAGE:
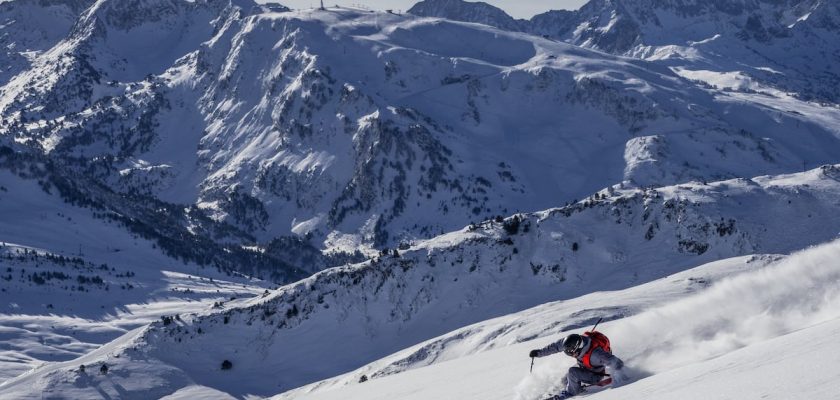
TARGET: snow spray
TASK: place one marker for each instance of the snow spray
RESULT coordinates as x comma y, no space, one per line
800,291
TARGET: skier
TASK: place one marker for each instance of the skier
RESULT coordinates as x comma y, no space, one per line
594,357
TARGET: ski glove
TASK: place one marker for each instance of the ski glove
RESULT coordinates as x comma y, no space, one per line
534,353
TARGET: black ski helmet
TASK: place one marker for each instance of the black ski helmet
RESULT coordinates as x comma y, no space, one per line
572,345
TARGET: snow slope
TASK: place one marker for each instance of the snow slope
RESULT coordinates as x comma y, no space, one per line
547,320
353,315
753,336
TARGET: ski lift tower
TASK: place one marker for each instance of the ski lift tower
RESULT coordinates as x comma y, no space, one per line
322,5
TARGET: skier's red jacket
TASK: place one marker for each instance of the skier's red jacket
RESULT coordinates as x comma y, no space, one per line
597,341
596,357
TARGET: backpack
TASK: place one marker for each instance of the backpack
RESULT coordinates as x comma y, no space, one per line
598,341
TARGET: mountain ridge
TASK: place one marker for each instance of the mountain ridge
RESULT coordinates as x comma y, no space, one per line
674,32
383,153
563,247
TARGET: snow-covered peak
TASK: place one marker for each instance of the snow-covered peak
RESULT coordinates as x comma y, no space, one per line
123,37
131,14
705,35
621,26
459,10
652,22
374,129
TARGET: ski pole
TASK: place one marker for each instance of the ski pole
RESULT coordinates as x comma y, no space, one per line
532,366
596,324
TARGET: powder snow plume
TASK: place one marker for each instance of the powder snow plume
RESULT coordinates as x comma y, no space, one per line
543,380
800,291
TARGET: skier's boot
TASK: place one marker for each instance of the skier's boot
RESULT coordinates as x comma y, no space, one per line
562,396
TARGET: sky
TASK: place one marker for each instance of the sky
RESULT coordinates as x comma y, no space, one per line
517,8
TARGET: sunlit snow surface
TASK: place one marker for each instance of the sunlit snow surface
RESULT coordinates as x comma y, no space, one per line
303,111
768,333
559,121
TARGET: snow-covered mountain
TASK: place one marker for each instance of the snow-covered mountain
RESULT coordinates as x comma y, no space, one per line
353,129
165,163
790,45
477,12
355,314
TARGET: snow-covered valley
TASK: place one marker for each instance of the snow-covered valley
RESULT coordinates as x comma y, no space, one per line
71,282
226,199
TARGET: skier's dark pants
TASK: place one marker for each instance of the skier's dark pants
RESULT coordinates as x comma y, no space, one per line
577,376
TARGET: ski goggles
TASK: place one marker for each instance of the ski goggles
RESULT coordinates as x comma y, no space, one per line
574,351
